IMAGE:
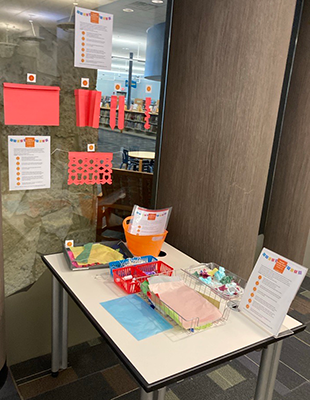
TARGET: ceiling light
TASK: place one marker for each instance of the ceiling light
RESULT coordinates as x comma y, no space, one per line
158,1
128,10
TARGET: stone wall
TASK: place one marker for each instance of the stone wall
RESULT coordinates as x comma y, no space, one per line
37,222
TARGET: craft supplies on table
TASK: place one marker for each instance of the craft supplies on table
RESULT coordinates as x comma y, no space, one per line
130,261
131,277
137,316
95,255
143,245
187,301
225,283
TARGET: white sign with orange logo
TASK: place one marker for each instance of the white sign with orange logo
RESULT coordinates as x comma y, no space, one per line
85,82
93,39
148,89
117,86
271,289
29,162
31,78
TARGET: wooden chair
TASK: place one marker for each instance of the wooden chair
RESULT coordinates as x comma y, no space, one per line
117,200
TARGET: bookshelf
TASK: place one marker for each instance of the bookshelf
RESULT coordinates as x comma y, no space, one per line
134,120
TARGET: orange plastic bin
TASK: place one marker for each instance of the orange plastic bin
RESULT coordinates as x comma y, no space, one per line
31,104
143,245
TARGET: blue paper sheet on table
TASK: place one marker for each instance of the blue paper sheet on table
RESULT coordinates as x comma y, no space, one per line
135,315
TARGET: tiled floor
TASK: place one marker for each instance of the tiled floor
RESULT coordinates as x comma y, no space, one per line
96,373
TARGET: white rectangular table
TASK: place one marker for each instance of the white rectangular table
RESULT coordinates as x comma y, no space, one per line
158,361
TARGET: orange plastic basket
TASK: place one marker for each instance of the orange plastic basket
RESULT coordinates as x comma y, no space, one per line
143,245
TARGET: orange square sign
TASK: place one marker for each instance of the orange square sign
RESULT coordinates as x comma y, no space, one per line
280,266
94,17
151,217
29,141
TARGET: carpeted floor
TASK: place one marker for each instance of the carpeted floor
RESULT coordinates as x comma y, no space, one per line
96,373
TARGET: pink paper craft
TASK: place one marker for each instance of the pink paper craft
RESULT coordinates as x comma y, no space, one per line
147,113
186,302
113,106
89,168
87,104
31,104
121,112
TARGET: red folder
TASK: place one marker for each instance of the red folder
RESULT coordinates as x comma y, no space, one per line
30,104
87,103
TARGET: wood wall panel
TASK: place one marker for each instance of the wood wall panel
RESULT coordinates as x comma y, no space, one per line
226,69
288,220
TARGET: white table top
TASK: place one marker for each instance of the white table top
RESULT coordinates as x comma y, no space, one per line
159,357
145,155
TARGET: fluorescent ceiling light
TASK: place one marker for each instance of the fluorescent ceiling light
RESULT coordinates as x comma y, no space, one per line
128,10
158,1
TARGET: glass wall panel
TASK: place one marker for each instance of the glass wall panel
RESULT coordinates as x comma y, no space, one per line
37,37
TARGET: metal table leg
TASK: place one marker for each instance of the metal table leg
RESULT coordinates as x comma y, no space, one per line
59,328
157,395
268,371
146,396
273,370
161,394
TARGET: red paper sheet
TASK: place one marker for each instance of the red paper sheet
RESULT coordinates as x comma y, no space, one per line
113,111
89,168
31,104
121,112
147,113
87,103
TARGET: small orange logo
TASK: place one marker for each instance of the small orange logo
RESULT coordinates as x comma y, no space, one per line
94,17
151,217
69,244
280,266
29,142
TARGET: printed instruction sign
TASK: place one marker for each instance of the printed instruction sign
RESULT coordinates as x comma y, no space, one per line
149,222
270,290
29,162
93,39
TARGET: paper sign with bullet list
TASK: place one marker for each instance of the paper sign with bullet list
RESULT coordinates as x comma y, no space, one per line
270,290
29,162
93,39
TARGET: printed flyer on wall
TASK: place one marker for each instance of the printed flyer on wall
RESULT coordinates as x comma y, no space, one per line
29,162
270,290
93,39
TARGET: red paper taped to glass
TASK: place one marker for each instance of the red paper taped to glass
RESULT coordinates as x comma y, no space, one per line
89,168
147,113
